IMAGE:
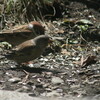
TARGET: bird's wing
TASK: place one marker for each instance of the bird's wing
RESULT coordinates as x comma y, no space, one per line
20,29
19,53
24,49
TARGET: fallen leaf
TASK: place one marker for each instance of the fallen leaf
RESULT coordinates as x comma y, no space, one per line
64,51
86,61
89,60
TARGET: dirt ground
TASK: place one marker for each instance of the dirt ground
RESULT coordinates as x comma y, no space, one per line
71,66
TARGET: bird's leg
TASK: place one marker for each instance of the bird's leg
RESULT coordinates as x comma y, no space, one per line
27,73
26,77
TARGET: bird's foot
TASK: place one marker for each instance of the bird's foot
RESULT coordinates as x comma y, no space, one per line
26,77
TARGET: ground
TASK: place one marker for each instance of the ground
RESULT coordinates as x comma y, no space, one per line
71,66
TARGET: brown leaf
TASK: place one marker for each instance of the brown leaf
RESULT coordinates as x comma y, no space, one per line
65,52
89,60
86,61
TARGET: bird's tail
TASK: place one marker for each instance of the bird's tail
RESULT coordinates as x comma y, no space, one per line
2,57
8,56
2,37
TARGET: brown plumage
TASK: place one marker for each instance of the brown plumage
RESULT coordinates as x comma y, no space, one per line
22,33
29,50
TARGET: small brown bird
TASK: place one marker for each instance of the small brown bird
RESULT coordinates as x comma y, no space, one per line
22,33
29,50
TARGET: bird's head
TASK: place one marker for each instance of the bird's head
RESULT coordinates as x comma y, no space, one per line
43,40
36,27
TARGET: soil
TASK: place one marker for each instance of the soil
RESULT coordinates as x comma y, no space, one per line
71,68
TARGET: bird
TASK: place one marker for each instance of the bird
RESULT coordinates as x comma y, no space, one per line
30,49
17,35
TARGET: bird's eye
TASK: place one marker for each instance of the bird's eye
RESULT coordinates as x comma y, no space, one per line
30,26
50,40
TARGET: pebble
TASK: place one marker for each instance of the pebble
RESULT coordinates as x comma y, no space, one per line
14,79
56,80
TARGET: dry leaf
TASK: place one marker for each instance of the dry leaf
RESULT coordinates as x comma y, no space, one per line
86,61
64,51
89,60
